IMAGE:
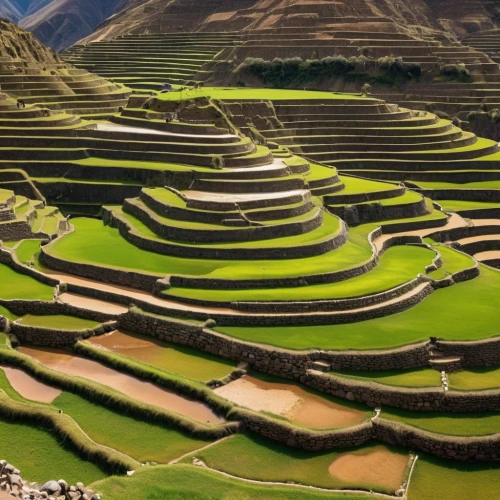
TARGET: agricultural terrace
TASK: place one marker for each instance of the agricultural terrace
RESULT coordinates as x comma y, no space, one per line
248,291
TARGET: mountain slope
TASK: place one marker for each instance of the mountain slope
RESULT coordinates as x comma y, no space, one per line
61,23
160,16
17,44
10,9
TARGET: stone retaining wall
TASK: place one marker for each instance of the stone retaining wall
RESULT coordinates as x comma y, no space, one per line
41,308
415,399
140,281
304,439
15,230
246,233
312,306
280,362
476,448
194,251
475,353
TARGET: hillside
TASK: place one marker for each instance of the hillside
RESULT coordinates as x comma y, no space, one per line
158,16
19,44
61,23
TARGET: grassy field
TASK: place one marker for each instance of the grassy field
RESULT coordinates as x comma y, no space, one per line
58,322
474,315
254,457
181,482
457,205
475,379
423,377
242,94
396,267
453,261
27,249
448,480
89,242
472,424
20,286
144,441
40,456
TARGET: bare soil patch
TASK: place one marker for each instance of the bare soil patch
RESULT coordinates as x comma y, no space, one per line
290,401
146,392
380,467
28,387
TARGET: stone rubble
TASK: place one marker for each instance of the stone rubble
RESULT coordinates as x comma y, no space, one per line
12,483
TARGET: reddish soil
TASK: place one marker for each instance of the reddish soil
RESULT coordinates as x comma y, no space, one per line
146,392
380,468
28,387
290,401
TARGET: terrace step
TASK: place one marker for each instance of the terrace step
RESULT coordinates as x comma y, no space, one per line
447,363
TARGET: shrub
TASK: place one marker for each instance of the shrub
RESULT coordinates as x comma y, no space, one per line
455,72
282,73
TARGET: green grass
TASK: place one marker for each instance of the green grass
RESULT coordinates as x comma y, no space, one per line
470,424
7,314
330,227
58,322
355,185
40,456
457,205
396,267
90,241
254,457
142,440
453,261
465,311
475,379
449,480
27,249
254,93
19,286
5,194
449,185
182,482
422,377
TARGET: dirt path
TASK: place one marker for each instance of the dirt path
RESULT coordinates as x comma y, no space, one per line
454,222
475,239
92,304
237,198
490,255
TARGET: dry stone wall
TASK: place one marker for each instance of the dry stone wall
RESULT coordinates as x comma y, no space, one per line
415,399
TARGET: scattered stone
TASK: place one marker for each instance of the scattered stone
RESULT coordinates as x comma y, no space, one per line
12,483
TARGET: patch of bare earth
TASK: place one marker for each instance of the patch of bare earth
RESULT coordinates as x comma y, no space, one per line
28,387
290,401
378,468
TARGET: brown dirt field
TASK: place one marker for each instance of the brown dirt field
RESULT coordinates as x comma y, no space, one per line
380,467
28,387
290,401
146,392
